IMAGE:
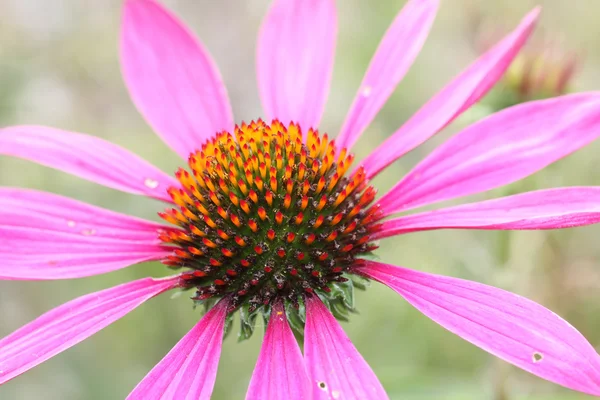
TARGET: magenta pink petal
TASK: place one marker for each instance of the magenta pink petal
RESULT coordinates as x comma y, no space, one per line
507,325
499,150
69,324
336,369
542,209
465,90
295,55
190,368
87,157
280,372
171,77
39,254
35,209
396,53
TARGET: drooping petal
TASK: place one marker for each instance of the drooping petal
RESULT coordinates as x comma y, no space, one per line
396,53
46,236
280,372
543,209
295,55
507,325
87,157
461,93
335,368
499,150
189,370
39,254
69,324
35,209
171,77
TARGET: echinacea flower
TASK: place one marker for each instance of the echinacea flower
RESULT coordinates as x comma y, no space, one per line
546,66
271,219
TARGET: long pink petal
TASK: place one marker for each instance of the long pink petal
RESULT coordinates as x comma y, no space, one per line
69,324
189,370
507,325
87,157
336,369
542,209
465,90
499,150
40,254
280,372
394,56
35,209
295,55
171,77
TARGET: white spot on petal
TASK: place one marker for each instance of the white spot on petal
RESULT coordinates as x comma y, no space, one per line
71,224
366,91
151,183
335,394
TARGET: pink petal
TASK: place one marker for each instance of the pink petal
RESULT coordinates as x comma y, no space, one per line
40,254
35,209
87,157
295,54
543,209
336,369
171,77
465,90
190,368
507,325
396,53
69,324
280,372
498,150
45,236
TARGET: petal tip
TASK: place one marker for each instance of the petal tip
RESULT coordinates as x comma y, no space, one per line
532,17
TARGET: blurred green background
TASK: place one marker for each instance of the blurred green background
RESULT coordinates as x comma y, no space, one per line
59,67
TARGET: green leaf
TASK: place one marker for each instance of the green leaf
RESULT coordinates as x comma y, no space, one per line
228,324
358,281
247,323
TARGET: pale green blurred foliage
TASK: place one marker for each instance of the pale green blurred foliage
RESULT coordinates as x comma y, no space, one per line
58,67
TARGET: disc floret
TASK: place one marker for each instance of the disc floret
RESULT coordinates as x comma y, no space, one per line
266,216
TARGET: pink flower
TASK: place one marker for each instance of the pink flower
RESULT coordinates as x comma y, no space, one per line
544,68
268,220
